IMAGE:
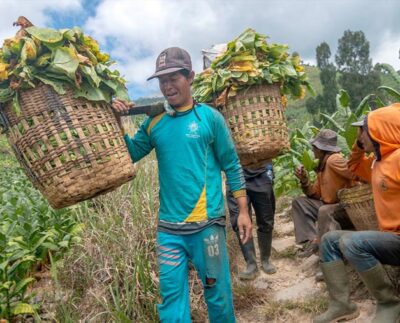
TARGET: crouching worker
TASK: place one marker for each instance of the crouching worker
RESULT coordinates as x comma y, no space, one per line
193,146
319,212
366,251
260,196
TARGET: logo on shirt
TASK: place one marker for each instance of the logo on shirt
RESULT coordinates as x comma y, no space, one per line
212,245
193,130
383,185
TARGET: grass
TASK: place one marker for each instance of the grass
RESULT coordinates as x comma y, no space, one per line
280,311
289,253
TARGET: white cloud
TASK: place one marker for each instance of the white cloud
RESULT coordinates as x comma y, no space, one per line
135,31
37,11
388,50
138,30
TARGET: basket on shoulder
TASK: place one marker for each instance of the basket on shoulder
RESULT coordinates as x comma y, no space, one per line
249,79
55,90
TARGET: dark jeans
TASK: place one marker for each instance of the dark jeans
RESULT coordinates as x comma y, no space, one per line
263,204
362,249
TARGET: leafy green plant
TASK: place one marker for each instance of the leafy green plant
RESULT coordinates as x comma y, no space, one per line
29,231
340,121
63,59
250,59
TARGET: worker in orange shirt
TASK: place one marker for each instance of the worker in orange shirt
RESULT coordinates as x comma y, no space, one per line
366,251
319,212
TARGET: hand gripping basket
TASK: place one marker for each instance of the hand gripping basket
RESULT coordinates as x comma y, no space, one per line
258,127
359,205
71,149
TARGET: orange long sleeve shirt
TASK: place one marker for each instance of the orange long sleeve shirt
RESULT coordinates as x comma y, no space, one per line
384,175
334,176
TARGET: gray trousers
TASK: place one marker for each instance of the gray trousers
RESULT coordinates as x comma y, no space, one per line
312,218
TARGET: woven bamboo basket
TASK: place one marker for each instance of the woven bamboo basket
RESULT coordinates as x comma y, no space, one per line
258,127
71,149
359,205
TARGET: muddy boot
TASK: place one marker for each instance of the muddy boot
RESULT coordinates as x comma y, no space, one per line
264,244
340,306
249,254
380,286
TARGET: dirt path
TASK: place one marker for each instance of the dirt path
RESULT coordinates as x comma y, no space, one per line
292,294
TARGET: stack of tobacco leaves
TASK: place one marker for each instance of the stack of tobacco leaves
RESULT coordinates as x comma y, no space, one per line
59,58
250,60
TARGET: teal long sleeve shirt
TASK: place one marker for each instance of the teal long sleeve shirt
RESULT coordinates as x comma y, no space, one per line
192,149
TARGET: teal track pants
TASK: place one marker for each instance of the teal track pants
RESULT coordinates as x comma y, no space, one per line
208,253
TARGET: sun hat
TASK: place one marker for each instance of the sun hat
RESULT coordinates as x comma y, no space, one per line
326,140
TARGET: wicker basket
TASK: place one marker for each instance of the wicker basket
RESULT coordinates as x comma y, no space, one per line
359,206
256,120
71,149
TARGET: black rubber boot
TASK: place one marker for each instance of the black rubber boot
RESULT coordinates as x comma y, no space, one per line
265,244
249,254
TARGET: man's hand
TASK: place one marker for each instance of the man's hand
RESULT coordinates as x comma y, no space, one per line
245,227
244,222
359,140
120,106
301,174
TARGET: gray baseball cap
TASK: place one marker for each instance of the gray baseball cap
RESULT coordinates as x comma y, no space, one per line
172,60
326,140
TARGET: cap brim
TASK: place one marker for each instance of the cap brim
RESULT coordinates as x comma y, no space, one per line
358,123
166,71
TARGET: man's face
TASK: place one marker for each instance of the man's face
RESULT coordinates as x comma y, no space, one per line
176,88
317,152
366,141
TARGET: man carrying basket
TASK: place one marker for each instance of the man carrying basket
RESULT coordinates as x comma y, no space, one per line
366,251
193,146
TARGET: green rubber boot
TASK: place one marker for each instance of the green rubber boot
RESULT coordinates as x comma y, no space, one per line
340,306
249,254
380,286
265,244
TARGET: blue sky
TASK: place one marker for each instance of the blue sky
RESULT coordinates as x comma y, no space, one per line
135,31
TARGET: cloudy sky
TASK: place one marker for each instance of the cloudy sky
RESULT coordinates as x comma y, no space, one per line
135,31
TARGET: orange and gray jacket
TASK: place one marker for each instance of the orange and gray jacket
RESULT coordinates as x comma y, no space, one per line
192,149
383,169
332,176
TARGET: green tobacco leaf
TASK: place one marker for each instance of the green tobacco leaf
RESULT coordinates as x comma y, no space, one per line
90,73
55,84
363,106
16,105
307,160
329,119
391,91
343,99
91,93
6,95
65,61
43,60
29,50
343,144
45,34
22,284
119,90
22,308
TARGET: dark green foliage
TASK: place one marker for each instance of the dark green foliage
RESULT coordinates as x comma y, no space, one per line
356,73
